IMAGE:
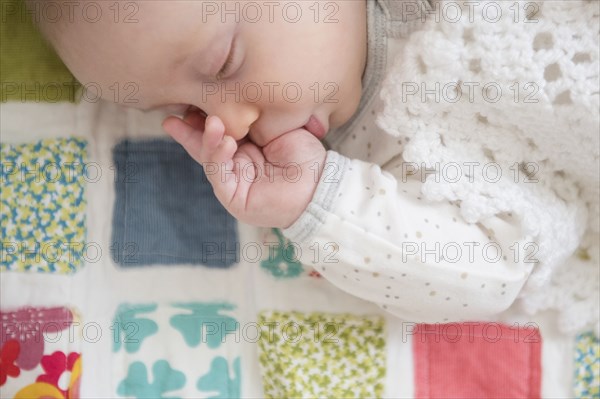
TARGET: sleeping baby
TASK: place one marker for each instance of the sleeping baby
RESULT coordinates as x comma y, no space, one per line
414,150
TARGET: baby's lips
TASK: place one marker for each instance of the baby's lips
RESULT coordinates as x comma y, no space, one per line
315,127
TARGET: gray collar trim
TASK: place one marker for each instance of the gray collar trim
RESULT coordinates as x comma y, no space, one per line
385,18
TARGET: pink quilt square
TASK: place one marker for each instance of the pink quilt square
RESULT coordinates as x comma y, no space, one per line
477,360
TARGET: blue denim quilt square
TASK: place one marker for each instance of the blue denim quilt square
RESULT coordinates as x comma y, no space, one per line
165,210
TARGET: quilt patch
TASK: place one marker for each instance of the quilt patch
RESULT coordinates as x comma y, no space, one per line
322,355
477,360
39,353
43,206
185,349
30,69
165,210
587,366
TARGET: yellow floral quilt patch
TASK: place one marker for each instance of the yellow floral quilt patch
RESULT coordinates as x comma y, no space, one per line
42,219
587,366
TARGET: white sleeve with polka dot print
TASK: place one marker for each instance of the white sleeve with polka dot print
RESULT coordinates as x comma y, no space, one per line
368,232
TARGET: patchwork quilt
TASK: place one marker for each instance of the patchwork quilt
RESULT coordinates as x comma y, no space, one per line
122,276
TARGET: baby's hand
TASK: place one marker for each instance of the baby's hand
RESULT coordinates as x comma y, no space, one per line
267,187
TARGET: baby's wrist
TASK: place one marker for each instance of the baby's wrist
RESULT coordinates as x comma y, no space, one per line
312,177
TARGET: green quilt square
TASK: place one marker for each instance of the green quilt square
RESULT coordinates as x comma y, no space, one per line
30,69
321,355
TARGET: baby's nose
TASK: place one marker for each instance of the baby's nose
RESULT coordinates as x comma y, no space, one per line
238,120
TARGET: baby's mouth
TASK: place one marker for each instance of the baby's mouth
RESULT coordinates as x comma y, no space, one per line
315,127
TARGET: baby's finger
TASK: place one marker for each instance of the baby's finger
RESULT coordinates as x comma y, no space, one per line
214,131
225,183
225,150
186,135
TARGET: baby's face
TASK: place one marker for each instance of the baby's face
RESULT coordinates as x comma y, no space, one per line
286,60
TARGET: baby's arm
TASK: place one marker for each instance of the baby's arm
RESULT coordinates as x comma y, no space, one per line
269,186
369,233
362,228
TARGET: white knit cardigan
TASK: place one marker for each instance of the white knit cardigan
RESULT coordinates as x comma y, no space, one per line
516,91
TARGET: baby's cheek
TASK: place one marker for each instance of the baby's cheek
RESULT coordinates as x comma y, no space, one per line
346,106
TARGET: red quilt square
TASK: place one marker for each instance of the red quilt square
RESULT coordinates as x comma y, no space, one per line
477,360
